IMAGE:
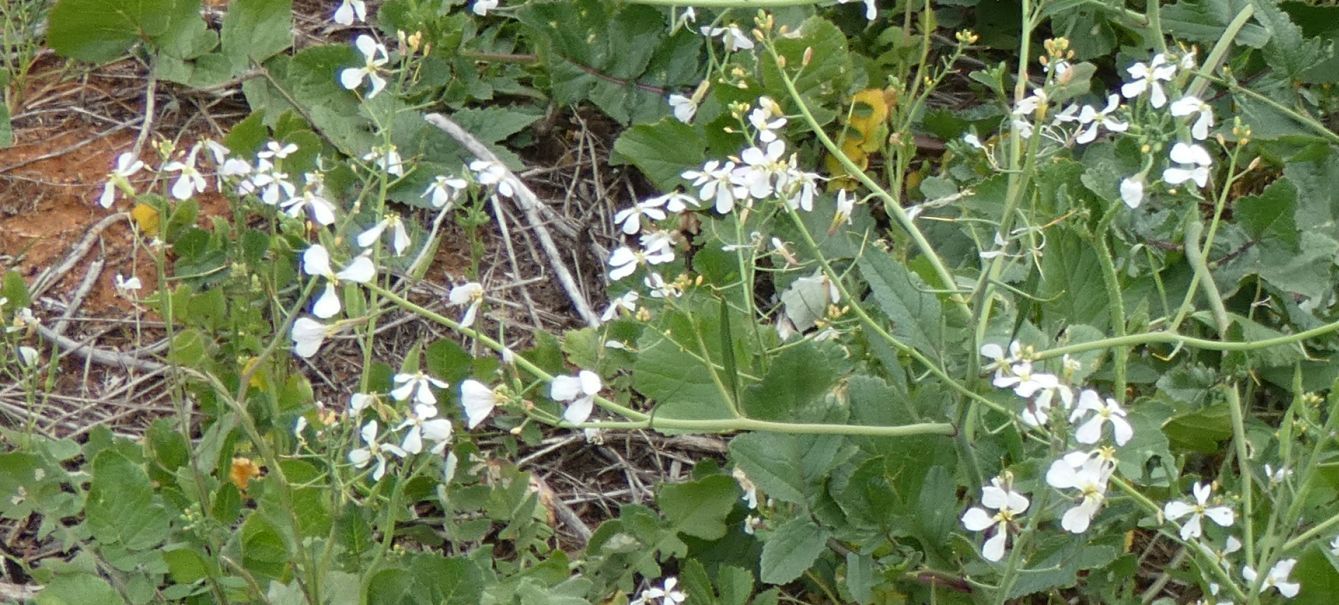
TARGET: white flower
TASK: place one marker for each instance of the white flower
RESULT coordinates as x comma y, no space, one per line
580,390
683,107
631,218
387,158
870,10
1193,164
1024,381
716,184
1001,365
276,151
424,424
374,450
470,293
660,288
1093,118
1148,77
374,56
1105,411
974,141
118,178
29,356
626,302
666,594
1007,504
416,386
767,118
1277,578
492,173
1038,411
478,401
1029,105
1277,476
1176,509
316,262
1132,190
800,188
735,38
399,237
1191,105
1087,472
444,190
749,488
226,166
623,261
127,288
321,211
759,169
349,10
481,7
191,181
845,206
307,336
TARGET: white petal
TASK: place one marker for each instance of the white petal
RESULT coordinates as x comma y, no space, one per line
413,441
1132,191
590,382
360,271
1176,509
351,78
1090,431
316,260
328,304
369,237
977,519
565,388
1221,515
993,549
579,411
478,401
366,45
1075,520
1122,429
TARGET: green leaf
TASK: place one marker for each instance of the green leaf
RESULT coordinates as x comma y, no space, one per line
699,508
121,508
861,577
676,368
662,151
1270,216
786,467
1288,50
824,78
1205,21
6,129
902,296
102,30
1060,559
1316,570
78,589
255,30
796,379
791,549
1072,282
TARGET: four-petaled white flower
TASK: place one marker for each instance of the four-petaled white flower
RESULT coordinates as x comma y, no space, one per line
1038,411
1277,578
1192,106
1007,504
493,173
277,151
316,262
623,261
1088,473
1093,117
715,183
999,363
655,209
1105,411
118,178
767,118
579,391
399,237
1149,77
313,201
478,401
845,206
683,107
307,335
374,56
226,166
1192,162
665,594
359,402
1024,381
416,386
1197,510
349,10
469,293
760,169
444,190
374,450
626,302
191,181
424,424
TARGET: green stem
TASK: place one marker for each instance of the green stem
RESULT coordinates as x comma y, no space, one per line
891,203
1112,283
1164,337
641,420
1196,259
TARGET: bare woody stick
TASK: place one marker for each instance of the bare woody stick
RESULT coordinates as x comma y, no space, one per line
529,204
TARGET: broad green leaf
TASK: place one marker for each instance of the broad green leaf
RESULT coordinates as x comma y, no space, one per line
861,576
1072,285
677,369
796,379
78,589
904,299
1205,20
791,549
699,508
662,151
1060,559
1316,570
121,508
1288,50
734,585
826,76
102,30
255,30
787,467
